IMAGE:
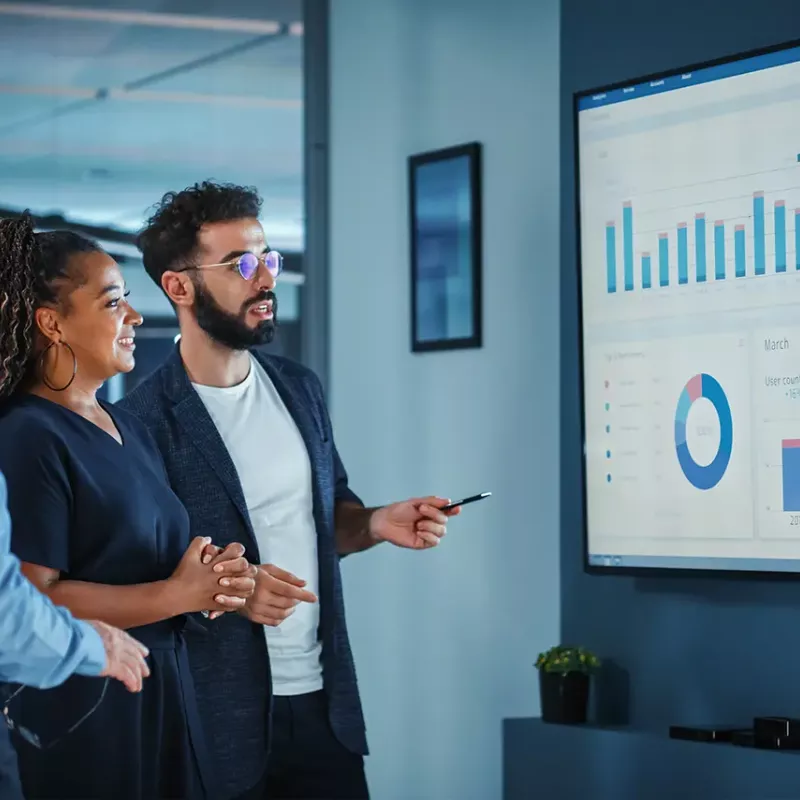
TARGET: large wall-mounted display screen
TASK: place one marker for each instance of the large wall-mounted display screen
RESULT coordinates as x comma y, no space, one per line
689,224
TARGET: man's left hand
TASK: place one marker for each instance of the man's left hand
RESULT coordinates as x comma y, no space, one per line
417,524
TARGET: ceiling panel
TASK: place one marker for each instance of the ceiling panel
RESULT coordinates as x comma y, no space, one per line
95,55
99,118
159,130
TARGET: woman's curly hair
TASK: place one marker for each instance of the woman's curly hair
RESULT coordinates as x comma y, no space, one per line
34,268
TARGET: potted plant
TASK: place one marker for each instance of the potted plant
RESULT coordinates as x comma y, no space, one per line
564,683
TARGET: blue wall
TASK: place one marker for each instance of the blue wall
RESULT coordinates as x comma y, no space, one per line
697,650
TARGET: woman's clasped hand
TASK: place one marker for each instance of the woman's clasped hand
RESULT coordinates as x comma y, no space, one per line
210,579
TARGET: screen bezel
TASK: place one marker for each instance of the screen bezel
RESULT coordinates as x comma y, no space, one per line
623,570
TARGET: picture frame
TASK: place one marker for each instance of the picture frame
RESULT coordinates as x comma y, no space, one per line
446,230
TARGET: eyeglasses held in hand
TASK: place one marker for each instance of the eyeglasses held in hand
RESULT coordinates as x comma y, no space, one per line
247,264
31,738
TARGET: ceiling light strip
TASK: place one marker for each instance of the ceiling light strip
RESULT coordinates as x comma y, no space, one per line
148,18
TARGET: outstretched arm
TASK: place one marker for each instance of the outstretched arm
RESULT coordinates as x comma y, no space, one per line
354,532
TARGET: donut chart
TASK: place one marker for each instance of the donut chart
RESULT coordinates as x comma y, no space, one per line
704,476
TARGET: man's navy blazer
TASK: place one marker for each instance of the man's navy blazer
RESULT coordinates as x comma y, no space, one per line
229,663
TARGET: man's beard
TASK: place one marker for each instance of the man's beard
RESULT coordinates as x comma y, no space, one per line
232,330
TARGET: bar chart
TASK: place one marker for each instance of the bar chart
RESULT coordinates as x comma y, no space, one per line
720,250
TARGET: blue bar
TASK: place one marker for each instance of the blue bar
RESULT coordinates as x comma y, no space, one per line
646,273
780,236
663,260
627,244
611,257
790,469
683,254
719,251
738,239
700,246
758,233
797,238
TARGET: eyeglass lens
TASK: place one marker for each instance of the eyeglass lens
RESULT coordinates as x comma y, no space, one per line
248,264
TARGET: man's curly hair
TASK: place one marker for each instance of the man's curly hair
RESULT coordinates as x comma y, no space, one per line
34,271
169,239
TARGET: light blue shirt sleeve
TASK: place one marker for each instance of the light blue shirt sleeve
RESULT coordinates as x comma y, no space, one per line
41,645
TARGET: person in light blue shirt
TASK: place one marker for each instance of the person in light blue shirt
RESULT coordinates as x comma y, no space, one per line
42,645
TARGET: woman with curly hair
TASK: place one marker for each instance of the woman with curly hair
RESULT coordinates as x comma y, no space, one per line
98,529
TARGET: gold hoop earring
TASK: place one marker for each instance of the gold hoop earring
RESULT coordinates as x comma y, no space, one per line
44,374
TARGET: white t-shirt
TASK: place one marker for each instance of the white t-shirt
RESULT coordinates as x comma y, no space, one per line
272,462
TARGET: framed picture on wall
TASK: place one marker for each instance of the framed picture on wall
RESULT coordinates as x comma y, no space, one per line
446,248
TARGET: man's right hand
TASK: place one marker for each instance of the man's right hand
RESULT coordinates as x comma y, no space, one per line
276,595
124,656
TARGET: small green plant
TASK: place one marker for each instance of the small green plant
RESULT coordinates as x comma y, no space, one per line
565,658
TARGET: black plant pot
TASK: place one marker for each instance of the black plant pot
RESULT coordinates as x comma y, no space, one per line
564,698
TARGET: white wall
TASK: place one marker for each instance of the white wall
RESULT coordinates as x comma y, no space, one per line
445,640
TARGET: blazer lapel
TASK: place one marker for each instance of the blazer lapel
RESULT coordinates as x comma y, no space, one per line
298,404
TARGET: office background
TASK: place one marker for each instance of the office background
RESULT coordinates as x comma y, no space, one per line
444,641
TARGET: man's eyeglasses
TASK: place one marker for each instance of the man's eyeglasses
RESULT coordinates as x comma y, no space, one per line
31,738
247,264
